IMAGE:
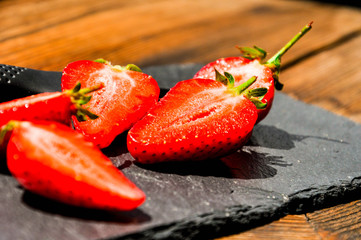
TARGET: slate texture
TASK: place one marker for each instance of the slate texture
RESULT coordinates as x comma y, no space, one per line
299,158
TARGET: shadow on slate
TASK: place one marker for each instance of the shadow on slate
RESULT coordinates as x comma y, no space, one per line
300,158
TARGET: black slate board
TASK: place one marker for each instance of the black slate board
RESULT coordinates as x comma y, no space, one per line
299,158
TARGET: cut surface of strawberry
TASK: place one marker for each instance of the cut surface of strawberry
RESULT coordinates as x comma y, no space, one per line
125,98
54,161
242,69
197,119
52,106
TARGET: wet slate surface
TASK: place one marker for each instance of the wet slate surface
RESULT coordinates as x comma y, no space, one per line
299,158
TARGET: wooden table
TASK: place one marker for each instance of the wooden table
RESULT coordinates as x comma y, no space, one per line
322,69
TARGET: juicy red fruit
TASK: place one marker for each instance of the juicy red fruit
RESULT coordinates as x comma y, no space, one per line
242,69
52,106
196,120
251,64
54,161
46,106
125,98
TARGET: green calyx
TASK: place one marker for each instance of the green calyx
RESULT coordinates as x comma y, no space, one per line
253,53
79,97
5,132
254,95
227,79
274,63
129,67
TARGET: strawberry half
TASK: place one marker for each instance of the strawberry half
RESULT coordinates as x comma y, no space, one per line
54,161
53,106
251,64
197,119
125,98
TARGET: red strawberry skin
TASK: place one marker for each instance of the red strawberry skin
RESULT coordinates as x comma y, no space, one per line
242,69
52,160
197,119
125,98
44,106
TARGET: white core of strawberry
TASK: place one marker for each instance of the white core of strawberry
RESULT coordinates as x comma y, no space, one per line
254,68
111,78
113,81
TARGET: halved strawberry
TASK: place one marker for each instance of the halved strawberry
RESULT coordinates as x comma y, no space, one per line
197,119
251,64
53,106
54,161
125,98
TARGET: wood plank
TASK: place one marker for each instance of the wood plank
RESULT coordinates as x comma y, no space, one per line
289,227
147,33
340,222
330,79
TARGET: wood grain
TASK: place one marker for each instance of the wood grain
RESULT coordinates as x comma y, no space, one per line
283,229
322,69
340,222
147,33
330,79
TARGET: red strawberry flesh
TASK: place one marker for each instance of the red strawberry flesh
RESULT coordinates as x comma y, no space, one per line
56,162
125,98
45,106
242,69
197,119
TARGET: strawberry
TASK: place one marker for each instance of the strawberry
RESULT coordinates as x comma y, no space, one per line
53,160
251,64
125,98
54,106
197,119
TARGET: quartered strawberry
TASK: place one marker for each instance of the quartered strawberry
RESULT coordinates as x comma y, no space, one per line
54,106
197,119
251,64
125,98
54,161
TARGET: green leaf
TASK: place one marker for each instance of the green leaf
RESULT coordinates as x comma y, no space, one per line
133,67
84,100
253,53
101,60
278,84
258,103
82,113
5,132
230,79
220,78
262,52
257,92
76,88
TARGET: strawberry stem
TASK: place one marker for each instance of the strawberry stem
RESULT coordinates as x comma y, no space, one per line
274,63
283,50
241,88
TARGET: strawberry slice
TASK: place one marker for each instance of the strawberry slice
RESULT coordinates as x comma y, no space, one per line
197,119
251,64
54,161
125,98
53,106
